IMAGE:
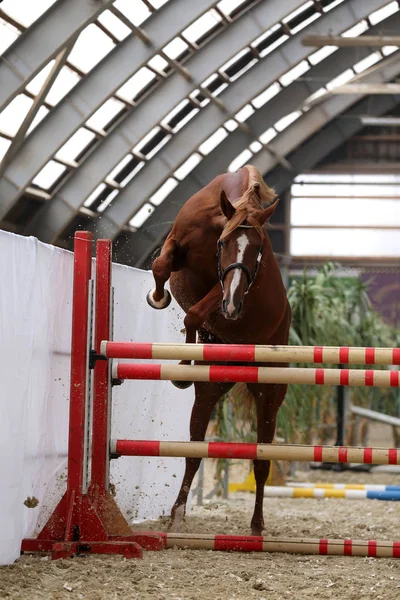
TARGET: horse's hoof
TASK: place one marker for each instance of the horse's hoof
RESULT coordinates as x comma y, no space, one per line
182,385
158,305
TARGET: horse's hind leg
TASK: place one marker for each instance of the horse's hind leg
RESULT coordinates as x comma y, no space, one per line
207,395
162,268
268,398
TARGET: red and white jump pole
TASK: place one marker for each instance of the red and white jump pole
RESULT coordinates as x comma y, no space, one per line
333,355
332,454
343,377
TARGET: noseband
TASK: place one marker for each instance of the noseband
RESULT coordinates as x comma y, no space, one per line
222,273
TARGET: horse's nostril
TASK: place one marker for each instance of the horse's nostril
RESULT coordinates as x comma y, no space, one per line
224,305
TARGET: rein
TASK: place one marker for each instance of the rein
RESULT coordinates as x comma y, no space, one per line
222,273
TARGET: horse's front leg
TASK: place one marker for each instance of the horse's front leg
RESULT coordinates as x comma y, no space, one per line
162,267
194,320
207,395
268,398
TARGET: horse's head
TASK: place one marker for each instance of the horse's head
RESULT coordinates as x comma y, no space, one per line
240,249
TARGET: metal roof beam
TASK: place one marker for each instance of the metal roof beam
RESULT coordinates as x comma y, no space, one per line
18,139
372,41
144,117
43,41
93,90
151,177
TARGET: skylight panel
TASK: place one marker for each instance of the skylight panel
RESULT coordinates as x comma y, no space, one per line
199,97
75,145
294,73
49,175
147,138
308,7
136,11
188,166
239,64
114,25
14,113
245,113
345,211
158,63
180,115
102,207
321,54
228,6
266,95
356,30
142,215
340,79
213,141
383,13
287,120
267,136
201,26
255,146
386,50
317,94
175,48
4,146
270,40
231,125
174,111
297,11
103,115
91,46
367,62
353,242
240,160
163,191
331,5
152,142
8,35
158,3
65,81
94,195
26,13
40,115
132,173
119,167
36,84
136,84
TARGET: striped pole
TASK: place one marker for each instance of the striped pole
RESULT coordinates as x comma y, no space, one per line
333,454
168,372
376,487
250,353
239,543
301,492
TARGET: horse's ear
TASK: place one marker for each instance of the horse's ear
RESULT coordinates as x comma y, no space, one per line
226,206
264,215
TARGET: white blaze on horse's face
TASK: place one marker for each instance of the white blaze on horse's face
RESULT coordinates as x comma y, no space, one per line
232,302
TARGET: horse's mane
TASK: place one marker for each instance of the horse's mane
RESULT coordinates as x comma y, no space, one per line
256,197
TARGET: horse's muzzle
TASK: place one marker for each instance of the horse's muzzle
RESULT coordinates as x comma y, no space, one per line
231,310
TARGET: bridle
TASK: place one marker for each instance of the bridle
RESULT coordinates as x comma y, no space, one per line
222,273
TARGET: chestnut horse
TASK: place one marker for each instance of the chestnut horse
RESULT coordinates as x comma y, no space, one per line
224,275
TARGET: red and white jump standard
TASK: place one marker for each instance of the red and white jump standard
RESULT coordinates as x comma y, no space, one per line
87,519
